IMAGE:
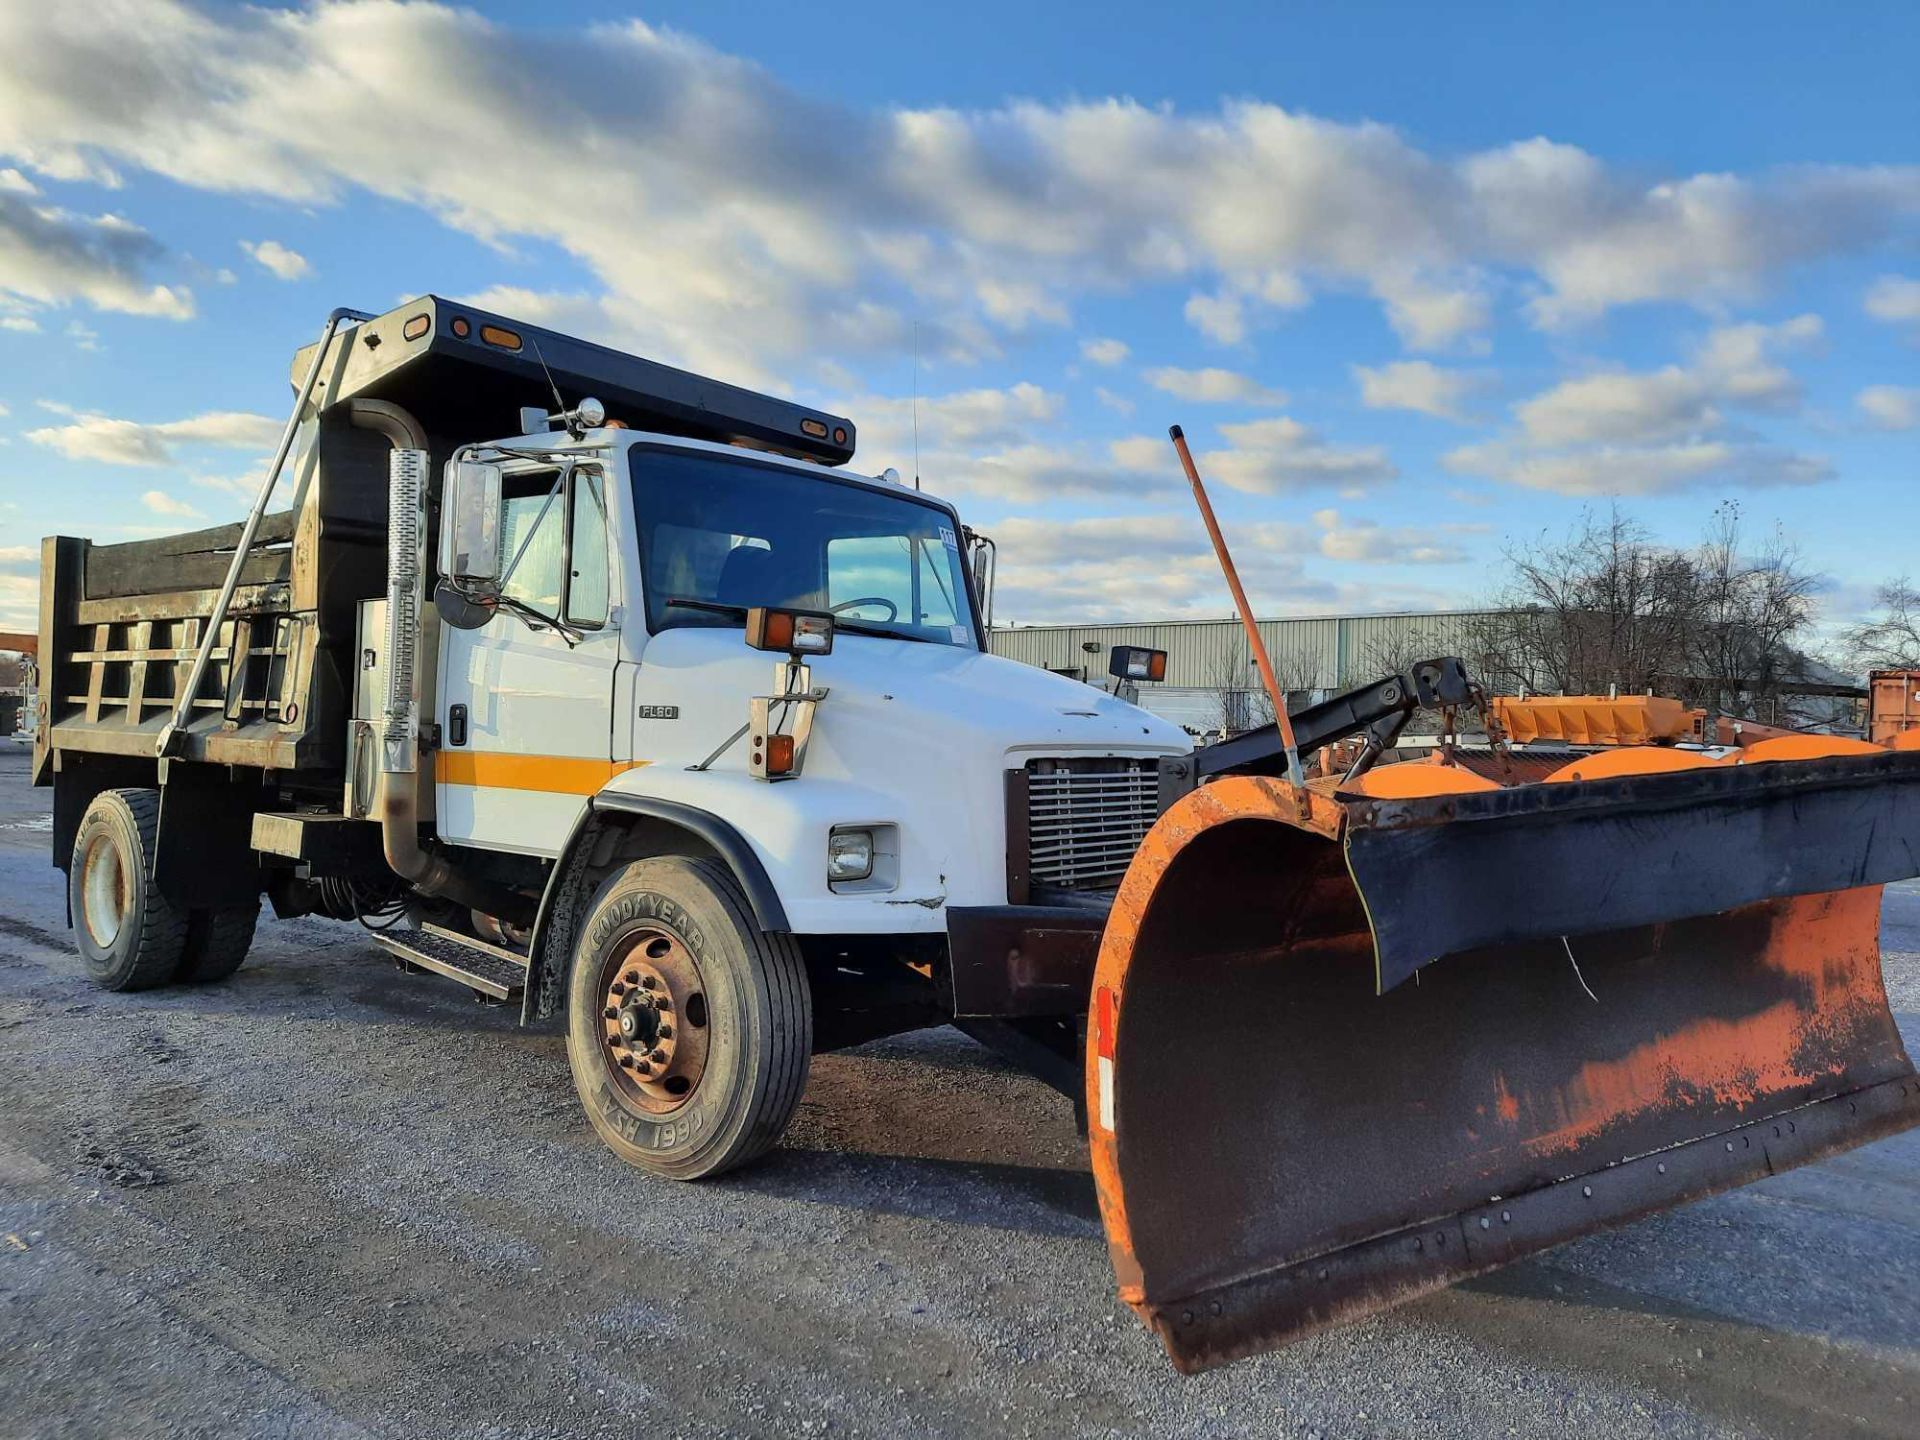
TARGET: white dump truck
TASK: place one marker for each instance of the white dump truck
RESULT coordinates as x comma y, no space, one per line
650,713
611,689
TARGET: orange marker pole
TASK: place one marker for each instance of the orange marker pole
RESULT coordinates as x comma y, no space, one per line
1280,718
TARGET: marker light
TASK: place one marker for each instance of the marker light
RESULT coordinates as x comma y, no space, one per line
815,428
417,326
793,632
494,335
775,754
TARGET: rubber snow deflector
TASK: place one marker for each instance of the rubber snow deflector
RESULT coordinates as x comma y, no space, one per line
1649,988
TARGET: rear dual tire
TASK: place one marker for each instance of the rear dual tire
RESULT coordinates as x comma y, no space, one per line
130,936
689,1029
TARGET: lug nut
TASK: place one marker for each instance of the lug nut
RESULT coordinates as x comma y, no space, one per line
633,977
666,1032
647,982
658,1057
612,1012
626,1062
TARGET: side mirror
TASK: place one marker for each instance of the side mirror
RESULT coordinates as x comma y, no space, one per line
983,558
470,522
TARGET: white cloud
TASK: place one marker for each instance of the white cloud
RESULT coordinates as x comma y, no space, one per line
132,442
22,324
1123,566
1213,386
1279,454
1890,407
276,258
1650,432
1105,351
1117,403
1733,366
50,256
1627,470
1619,406
1417,385
1894,299
1017,304
1429,316
1219,317
161,503
1370,542
734,223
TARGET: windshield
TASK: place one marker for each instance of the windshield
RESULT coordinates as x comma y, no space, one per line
720,534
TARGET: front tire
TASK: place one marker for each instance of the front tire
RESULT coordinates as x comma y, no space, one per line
689,1029
130,937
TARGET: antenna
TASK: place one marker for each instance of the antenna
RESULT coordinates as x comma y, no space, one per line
558,404
916,404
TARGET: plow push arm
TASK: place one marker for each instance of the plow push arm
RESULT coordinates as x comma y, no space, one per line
1379,710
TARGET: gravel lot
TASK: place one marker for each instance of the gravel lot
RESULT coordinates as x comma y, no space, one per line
331,1199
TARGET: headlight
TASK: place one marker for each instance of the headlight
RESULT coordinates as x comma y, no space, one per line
849,854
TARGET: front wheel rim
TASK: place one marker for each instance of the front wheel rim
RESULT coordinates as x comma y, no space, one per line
653,1021
105,895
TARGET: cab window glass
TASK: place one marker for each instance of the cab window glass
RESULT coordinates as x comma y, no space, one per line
587,585
531,529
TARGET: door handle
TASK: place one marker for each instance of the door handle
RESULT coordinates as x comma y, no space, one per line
456,725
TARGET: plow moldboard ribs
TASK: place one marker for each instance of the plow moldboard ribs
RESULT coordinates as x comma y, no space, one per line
1284,1148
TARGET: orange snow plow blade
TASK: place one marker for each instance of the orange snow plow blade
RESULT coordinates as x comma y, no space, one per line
1347,1051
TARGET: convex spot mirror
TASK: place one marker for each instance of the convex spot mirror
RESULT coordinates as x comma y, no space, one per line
459,609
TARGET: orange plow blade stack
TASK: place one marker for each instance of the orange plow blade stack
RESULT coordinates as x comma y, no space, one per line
1355,1043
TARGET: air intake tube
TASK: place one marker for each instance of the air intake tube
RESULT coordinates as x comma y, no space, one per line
399,803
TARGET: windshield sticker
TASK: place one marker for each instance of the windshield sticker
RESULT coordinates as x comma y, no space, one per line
961,635
948,538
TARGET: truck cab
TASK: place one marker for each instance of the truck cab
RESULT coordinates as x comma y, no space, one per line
648,561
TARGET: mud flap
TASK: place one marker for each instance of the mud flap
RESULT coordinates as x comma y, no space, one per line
1279,1147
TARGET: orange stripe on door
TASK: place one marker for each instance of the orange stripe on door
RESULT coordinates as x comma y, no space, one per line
553,774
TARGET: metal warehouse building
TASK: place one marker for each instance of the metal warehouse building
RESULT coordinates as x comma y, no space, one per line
1208,659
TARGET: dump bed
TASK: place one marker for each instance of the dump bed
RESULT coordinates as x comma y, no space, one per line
120,625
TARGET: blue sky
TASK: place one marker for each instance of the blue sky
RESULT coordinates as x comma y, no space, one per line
1420,283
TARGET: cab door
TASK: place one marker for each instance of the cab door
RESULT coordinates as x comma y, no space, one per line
526,701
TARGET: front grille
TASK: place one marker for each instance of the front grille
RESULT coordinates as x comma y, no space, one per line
1085,818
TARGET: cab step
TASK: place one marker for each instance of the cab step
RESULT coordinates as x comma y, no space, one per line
489,970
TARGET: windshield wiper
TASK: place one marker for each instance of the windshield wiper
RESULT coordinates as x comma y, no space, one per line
862,627
715,606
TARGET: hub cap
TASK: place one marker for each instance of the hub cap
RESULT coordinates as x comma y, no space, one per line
653,1020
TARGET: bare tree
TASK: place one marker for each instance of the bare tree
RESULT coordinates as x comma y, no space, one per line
1608,608
1242,695
1890,640
1747,608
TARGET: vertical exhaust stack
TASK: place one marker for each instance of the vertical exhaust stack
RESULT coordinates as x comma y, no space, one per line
406,565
